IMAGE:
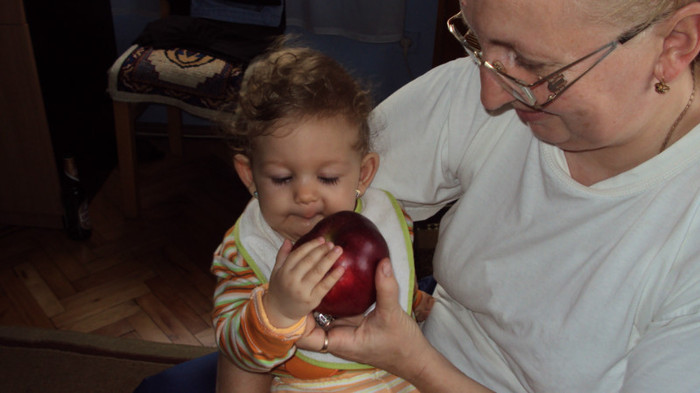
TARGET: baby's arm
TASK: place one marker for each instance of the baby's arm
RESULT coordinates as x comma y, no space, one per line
422,304
238,331
247,330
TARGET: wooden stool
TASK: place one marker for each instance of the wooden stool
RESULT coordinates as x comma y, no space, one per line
182,79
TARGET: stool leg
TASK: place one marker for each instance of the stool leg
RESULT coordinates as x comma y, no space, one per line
175,130
126,152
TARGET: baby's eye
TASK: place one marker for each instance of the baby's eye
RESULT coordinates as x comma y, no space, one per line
281,180
328,180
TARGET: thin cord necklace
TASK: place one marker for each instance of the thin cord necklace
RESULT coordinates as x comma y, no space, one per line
680,117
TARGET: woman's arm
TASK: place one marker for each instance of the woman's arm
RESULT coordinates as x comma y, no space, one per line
391,340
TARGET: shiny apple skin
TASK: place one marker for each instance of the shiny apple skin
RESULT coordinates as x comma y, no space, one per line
363,247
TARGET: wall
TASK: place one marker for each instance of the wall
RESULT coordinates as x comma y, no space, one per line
386,66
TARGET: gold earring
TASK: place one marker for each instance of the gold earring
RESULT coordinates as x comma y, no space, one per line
357,194
661,87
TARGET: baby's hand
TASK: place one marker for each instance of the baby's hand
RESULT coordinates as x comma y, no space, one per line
298,280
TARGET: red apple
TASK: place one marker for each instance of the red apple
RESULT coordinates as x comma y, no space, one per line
363,247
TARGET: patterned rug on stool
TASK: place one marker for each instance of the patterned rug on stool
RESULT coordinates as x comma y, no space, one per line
192,81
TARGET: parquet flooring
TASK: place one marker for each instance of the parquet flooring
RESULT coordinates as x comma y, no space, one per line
145,278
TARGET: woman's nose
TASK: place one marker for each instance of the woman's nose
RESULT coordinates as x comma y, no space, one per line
493,94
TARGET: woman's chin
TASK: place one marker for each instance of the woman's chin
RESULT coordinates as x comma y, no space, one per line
547,135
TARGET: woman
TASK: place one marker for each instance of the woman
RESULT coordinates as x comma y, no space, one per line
570,261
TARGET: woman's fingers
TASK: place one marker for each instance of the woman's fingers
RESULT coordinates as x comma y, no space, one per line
348,321
387,286
385,334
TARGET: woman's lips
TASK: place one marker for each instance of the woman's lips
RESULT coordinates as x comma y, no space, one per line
530,116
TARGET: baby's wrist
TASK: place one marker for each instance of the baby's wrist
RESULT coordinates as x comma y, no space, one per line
271,316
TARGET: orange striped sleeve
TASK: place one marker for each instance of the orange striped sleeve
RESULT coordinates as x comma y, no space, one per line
242,331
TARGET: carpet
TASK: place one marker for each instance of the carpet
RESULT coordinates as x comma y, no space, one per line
40,360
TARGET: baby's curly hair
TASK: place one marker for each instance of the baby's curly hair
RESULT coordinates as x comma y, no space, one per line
290,84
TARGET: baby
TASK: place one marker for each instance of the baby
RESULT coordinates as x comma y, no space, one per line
301,143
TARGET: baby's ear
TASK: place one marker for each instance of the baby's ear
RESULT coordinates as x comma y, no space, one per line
242,165
368,168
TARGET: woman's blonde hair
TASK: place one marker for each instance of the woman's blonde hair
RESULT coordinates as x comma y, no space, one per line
631,12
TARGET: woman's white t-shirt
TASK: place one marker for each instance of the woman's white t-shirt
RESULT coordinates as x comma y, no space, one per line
546,285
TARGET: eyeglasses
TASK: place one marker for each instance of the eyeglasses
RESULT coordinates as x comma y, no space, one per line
556,82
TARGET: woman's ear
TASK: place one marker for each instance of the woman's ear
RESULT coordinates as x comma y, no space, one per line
368,168
245,172
682,43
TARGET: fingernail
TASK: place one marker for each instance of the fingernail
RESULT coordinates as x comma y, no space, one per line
386,269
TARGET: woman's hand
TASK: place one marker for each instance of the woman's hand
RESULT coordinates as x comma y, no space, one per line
387,336
298,281
314,336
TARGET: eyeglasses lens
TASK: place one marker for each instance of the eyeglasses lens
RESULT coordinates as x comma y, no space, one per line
471,45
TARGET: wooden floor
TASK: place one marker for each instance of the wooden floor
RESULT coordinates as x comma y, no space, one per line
146,278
